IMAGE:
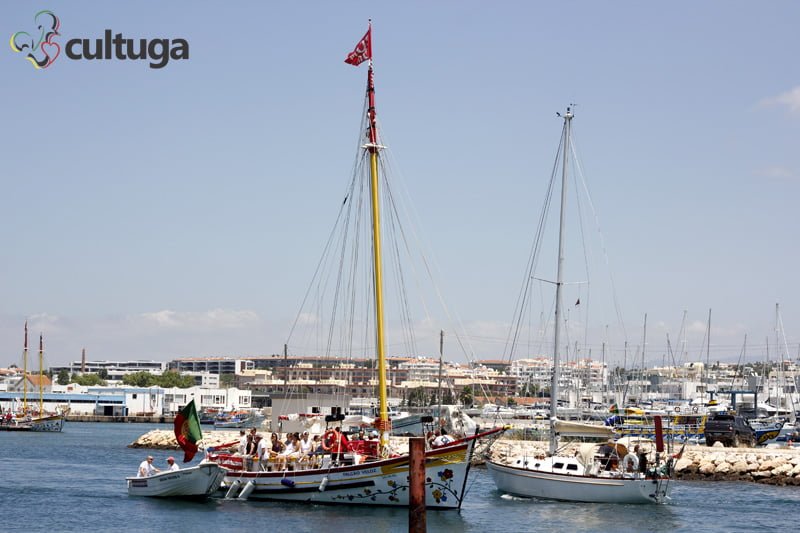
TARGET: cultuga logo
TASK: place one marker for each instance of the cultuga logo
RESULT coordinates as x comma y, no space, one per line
41,51
44,51
157,51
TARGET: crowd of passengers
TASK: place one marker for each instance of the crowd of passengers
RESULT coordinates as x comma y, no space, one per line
300,450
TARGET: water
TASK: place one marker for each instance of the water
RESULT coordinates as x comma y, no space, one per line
74,481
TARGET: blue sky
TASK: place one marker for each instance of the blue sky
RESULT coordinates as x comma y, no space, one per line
159,213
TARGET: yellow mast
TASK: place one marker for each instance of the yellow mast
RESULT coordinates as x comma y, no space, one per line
25,371
380,342
363,52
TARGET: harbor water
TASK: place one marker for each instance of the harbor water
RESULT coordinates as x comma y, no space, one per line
75,481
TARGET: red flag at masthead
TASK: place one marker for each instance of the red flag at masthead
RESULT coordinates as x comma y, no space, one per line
362,51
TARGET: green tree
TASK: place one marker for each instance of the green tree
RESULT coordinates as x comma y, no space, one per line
103,373
63,377
139,379
173,378
88,380
226,380
465,397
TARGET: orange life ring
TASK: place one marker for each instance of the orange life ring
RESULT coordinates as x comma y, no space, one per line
328,438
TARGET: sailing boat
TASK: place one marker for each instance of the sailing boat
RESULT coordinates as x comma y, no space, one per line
383,479
26,419
581,477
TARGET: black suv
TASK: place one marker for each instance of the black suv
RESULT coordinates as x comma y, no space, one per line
729,429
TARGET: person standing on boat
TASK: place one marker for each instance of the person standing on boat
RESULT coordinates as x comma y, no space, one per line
146,468
339,446
173,466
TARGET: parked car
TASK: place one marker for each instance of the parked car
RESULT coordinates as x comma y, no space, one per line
730,429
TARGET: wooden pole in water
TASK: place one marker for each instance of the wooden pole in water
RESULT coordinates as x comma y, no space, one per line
417,521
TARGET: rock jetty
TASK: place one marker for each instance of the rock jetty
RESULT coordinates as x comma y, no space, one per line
162,439
773,466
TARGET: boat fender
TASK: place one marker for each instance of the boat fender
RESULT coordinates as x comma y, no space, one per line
677,409
247,490
630,463
323,484
695,409
287,482
232,490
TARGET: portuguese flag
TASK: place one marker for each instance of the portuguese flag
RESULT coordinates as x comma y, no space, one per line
187,431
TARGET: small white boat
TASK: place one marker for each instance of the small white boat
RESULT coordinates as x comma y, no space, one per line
196,482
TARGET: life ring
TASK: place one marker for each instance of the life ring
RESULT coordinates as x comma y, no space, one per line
630,463
778,425
677,409
328,438
695,409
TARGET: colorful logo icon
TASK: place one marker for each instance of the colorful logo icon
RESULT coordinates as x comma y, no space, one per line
41,52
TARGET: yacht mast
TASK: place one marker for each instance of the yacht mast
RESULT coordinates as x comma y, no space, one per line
559,283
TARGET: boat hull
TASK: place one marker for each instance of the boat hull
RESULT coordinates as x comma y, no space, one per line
198,481
578,488
383,483
45,424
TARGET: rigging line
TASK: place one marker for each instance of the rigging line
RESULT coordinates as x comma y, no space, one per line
404,309
320,263
513,333
430,267
617,307
579,211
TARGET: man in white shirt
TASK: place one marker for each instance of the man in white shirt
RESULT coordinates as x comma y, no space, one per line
173,466
146,468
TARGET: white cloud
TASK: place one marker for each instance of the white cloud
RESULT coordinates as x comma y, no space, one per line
205,320
790,100
777,172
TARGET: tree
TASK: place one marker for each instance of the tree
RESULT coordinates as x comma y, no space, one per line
172,378
103,373
465,397
226,381
63,377
139,379
88,380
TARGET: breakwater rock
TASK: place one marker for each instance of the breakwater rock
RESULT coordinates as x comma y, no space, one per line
774,466
162,439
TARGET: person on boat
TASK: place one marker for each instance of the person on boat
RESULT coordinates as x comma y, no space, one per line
146,468
442,439
339,444
242,448
610,457
173,466
306,446
642,455
429,438
252,445
262,451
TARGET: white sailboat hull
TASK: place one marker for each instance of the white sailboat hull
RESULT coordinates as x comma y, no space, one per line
196,482
577,488
384,482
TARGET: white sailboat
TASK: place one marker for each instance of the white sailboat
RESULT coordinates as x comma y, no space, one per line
383,478
580,477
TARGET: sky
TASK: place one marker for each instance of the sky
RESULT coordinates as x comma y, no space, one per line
174,212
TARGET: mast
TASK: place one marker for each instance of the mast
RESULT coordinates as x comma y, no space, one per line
25,371
708,355
439,391
559,283
374,148
41,357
